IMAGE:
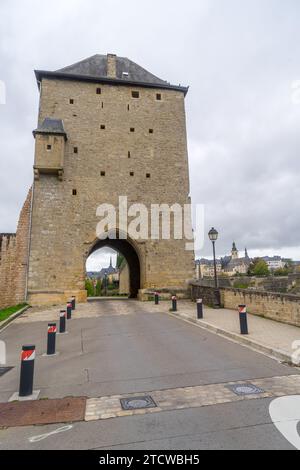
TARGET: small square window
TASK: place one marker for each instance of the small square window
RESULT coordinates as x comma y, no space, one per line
49,147
71,101
148,175
151,131
74,192
132,129
75,149
98,91
102,173
102,127
131,173
135,94
158,96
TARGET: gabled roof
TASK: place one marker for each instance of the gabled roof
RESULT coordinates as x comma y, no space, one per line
94,69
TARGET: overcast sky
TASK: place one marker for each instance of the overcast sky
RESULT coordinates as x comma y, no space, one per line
240,59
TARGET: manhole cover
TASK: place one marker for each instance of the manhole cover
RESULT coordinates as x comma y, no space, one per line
245,389
4,370
137,403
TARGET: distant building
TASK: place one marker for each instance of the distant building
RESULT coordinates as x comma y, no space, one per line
229,265
274,263
232,265
111,273
205,268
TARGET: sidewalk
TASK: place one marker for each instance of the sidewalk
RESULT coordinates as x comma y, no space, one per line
270,337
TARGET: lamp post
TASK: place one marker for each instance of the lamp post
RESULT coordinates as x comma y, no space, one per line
213,236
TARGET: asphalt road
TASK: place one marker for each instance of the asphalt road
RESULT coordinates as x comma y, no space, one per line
142,352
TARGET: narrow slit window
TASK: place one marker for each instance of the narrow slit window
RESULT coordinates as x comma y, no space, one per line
129,154
128,107
75,149
102,105
135,94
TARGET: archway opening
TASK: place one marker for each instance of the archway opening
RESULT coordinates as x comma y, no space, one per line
113,268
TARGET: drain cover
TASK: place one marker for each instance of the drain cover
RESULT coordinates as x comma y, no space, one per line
4,370
137,403
245,389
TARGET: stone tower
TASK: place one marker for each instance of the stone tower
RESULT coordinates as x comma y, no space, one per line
234,251
106,128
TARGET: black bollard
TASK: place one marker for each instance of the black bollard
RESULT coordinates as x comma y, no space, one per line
243,319
156,298
73,303
51,339
174,303
27,371
62,321
69,310
200,309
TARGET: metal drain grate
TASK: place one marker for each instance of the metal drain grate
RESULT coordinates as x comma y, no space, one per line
138,403
245,389
4,370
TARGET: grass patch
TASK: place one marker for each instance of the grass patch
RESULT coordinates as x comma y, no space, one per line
7,312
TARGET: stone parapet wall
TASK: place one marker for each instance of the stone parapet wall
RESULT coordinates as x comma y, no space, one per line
284,308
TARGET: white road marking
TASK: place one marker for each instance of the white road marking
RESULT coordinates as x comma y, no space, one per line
285,414
45,436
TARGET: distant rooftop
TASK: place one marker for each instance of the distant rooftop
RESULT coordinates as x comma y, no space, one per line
95,68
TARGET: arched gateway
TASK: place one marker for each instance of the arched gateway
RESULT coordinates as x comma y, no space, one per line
127,248
107,129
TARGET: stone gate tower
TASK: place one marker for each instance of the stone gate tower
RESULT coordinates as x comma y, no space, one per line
106,128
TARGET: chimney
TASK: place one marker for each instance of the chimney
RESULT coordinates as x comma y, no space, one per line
111,66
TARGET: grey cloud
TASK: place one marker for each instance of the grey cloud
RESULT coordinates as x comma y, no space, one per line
239,59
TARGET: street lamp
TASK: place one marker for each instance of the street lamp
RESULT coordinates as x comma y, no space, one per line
213,236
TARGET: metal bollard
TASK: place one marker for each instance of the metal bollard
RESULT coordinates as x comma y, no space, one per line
243,319
200,309
174,303
69,310
73,303
51,344
156,298
27,371
62,321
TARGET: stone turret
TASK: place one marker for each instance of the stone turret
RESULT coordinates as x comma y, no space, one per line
50,138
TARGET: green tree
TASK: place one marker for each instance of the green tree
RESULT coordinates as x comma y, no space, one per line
120,259
259,268
98,288
89,288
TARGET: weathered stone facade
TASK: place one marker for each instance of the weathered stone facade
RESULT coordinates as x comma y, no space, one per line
116,145
14,260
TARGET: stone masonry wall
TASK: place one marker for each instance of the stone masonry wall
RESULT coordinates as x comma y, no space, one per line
284,308
14,260
149,165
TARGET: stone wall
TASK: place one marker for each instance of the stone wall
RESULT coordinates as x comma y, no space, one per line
284,308
14,260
